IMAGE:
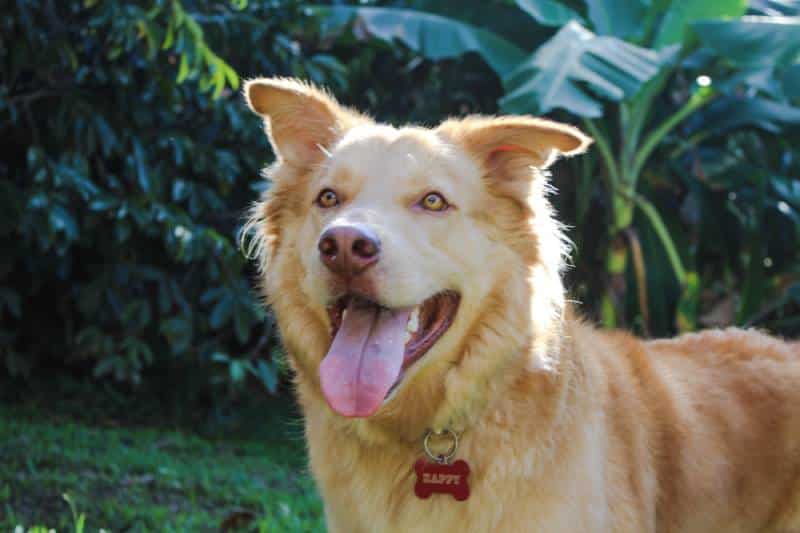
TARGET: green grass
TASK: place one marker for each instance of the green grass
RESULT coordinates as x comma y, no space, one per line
144,478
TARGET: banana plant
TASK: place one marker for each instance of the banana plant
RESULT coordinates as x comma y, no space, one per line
752,122
609,64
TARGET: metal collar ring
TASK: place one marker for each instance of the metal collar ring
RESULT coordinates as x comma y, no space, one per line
451,452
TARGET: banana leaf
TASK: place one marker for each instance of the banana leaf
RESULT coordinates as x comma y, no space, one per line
753,41
548,12
432,36
682,13
576,68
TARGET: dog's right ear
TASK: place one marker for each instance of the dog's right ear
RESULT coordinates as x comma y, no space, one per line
302,122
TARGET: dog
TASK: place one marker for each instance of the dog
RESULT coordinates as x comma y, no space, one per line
445,381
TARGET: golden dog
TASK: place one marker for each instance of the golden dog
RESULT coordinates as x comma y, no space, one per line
415,275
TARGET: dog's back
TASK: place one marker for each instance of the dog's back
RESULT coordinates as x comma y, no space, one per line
715,418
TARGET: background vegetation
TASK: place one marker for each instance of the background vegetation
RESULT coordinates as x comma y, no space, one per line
130,160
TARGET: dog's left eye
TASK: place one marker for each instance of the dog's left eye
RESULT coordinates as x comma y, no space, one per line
327,198
434,201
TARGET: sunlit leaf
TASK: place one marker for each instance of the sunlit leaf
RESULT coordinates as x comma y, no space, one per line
183,69
618,18
554,76
548,12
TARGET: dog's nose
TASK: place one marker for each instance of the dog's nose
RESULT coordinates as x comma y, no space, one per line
349,249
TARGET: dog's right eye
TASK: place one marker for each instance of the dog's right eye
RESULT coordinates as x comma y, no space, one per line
327,198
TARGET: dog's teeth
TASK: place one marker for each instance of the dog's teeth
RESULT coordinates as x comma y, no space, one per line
344,313
406,337
413,321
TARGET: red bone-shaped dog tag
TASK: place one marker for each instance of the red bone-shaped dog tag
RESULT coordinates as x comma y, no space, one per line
442,478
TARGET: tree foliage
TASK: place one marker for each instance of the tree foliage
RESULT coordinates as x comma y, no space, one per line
124,188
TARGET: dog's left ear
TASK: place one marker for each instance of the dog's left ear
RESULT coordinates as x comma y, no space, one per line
511,145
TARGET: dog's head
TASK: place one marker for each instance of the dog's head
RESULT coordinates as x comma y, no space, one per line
407,266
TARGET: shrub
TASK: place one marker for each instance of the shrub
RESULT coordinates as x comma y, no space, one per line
131,161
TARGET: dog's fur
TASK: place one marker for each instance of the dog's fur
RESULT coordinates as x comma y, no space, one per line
565,427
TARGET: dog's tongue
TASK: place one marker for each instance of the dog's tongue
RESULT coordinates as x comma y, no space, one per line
364,359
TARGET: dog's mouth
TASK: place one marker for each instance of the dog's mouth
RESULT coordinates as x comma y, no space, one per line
373,346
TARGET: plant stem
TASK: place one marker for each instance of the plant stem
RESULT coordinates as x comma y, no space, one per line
698,100
641,277
605,151
755,282
689,143
663,234
639,111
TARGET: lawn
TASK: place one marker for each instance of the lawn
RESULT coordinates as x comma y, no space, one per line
129,476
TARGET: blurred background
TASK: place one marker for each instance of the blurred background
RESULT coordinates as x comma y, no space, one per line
142,385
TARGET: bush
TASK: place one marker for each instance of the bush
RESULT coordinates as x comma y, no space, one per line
132,162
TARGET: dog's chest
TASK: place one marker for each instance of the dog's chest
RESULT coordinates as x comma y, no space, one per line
391,509
376,493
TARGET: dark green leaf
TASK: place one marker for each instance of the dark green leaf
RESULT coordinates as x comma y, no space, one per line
141,166
106,365
103,203
136,314
733,112
791,82
753,41
268,374
618,18
682,13
237,370
241,322
62,220
222,311
433,36
178,331
220,357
